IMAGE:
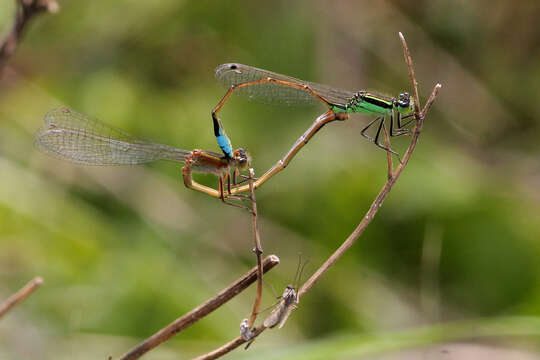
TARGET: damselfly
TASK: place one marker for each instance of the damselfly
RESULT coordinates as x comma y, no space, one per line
270,87
72,136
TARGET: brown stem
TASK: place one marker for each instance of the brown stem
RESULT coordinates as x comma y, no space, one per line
409,62
201,311
257,250
20,295
375,206
25,10
431,99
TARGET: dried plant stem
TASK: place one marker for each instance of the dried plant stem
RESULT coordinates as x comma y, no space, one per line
257,250
373,209
20,295
201,311
25,10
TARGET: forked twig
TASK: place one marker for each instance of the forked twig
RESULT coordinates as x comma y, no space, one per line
374,208
20,295
201,311
25,10
392,178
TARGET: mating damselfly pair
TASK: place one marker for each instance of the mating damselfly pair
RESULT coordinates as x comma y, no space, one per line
72,136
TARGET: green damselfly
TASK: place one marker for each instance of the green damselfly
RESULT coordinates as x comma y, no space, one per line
273,88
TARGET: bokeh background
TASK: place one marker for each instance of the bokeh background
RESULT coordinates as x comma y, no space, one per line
448,269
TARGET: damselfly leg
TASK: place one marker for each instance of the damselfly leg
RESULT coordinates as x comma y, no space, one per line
304,87
281,164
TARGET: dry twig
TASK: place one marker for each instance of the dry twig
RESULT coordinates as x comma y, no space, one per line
20,295
201,311
25,10
373,209
257,250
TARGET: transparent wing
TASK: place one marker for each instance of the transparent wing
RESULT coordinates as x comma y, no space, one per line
271,93
275,316
286,315
72,136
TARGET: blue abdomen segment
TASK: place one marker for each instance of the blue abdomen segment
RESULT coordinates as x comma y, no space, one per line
222,139
225,144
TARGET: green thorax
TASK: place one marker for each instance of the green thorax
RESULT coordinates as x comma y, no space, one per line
367,103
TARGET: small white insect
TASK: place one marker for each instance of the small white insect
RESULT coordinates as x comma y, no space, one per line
288,301
281,313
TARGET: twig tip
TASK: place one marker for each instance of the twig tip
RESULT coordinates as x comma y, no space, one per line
38,280
273,258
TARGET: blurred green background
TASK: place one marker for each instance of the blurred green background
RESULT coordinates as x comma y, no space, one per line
125,250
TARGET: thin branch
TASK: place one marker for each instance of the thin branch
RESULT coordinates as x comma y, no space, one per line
25,10
374,208
257,250
20,295
409,62
201,311
431,99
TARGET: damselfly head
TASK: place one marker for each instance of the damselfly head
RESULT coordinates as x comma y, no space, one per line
241,158
404,104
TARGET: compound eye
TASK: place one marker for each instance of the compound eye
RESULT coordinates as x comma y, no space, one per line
404,99
240,153
241,157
